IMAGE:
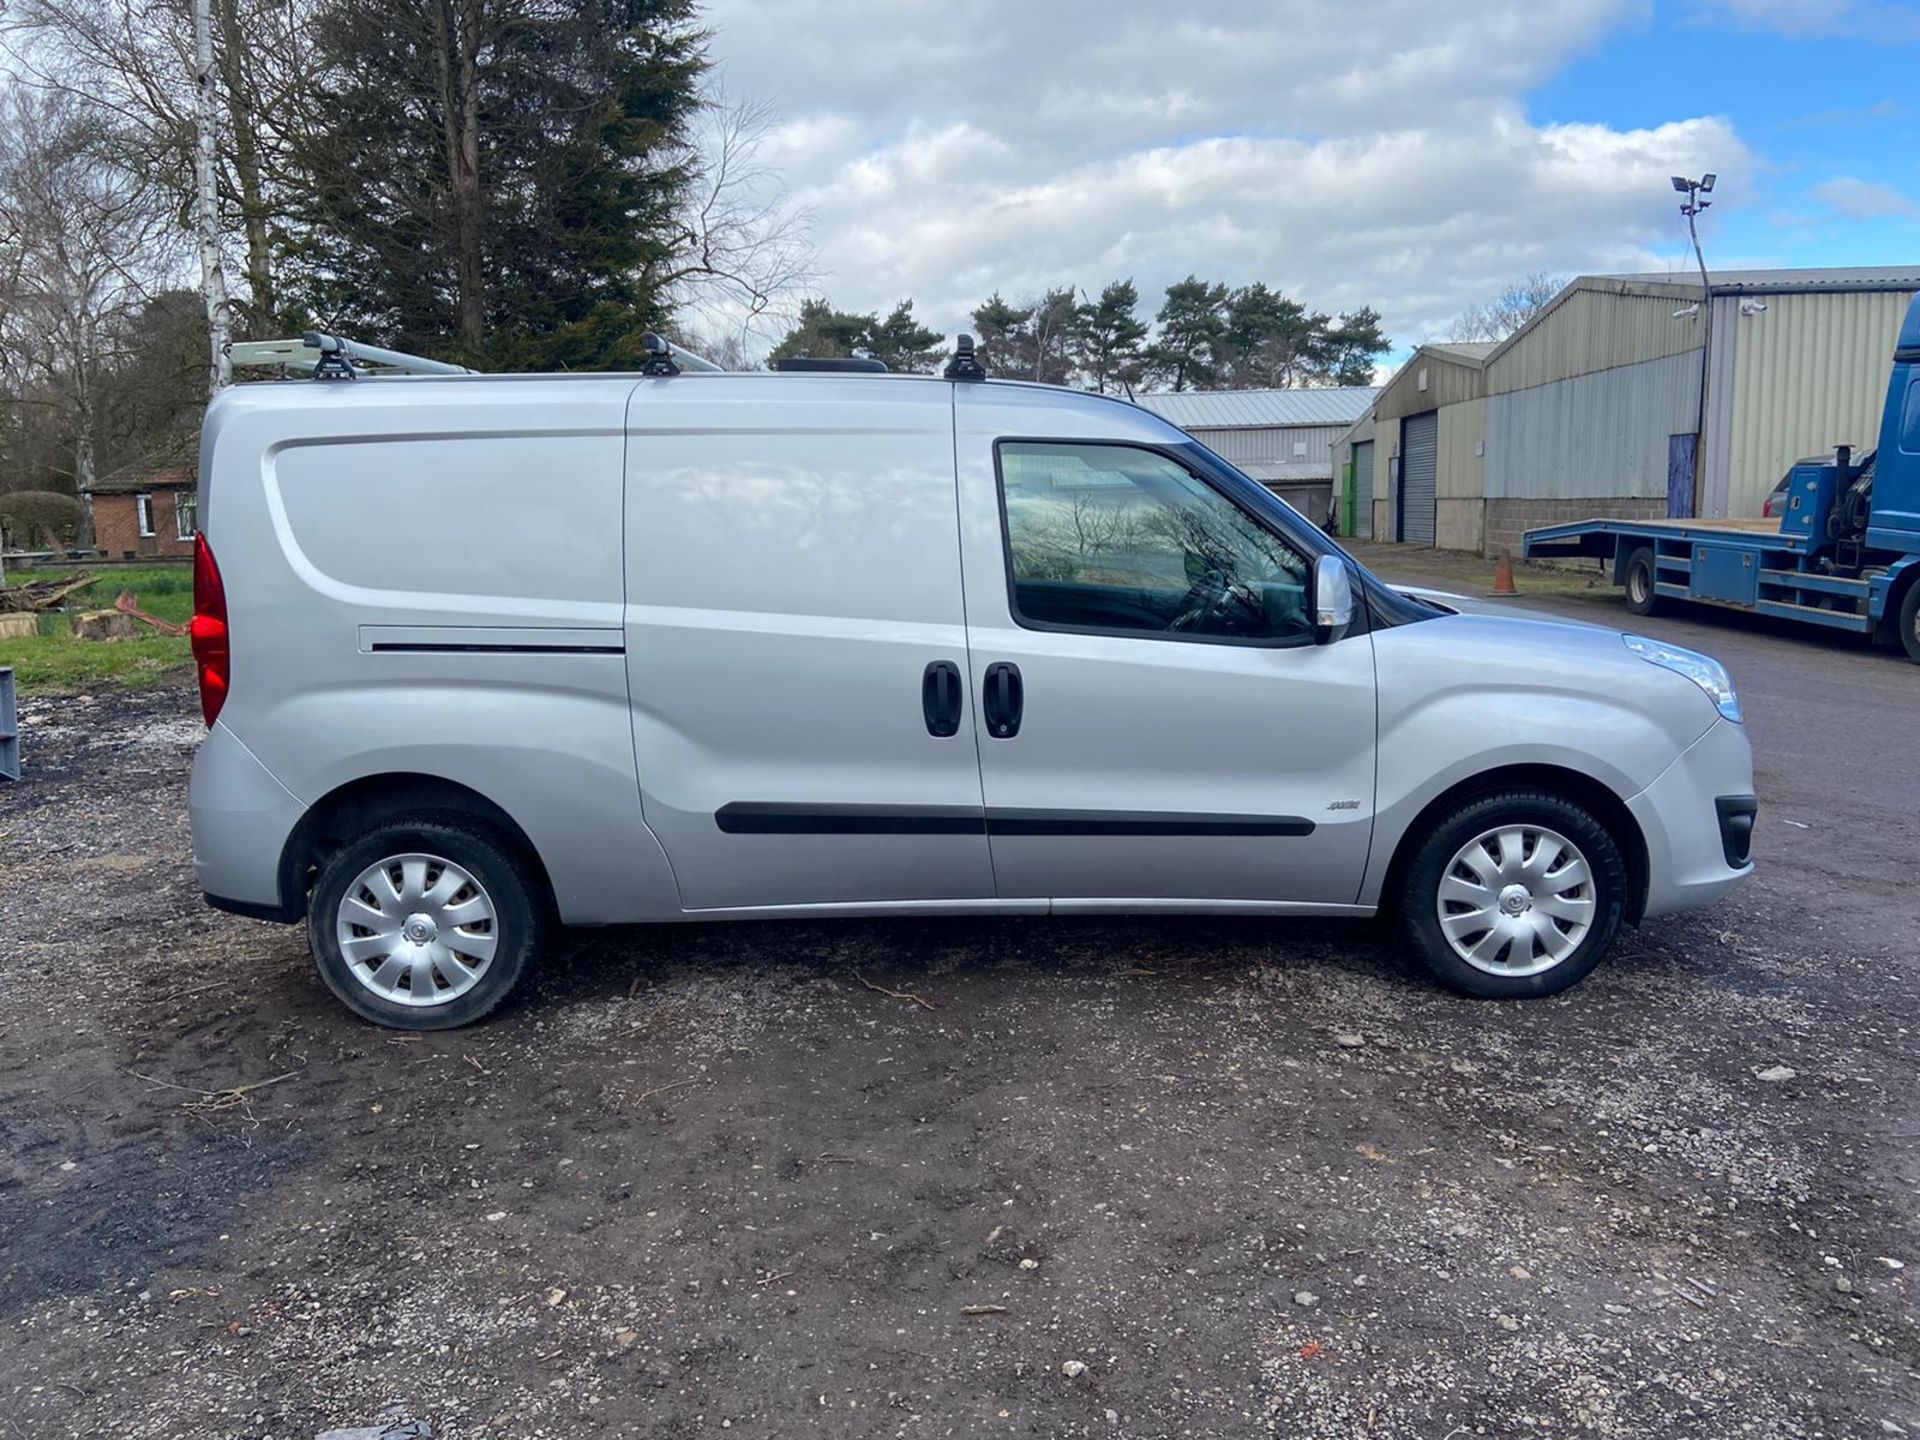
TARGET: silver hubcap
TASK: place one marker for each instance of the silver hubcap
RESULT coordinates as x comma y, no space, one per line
1516,900
416,930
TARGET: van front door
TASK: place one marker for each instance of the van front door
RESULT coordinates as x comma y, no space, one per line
1156,722
796,647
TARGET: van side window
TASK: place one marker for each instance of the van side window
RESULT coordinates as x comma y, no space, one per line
1910,421
1118,539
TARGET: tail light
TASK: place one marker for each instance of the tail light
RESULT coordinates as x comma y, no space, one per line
209,630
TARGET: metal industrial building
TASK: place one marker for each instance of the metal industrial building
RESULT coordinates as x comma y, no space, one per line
1594,407
1282,438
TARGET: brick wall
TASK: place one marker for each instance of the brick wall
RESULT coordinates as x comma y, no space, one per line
116,528
1508,520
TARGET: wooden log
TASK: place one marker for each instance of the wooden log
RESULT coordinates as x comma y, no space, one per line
105,625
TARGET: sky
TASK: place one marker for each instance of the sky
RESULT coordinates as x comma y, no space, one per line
1412,155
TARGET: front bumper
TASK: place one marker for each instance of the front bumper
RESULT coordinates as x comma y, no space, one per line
241,819
1697,819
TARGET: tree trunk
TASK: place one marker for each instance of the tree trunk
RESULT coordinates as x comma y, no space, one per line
83,419
243,121
457,53
213,278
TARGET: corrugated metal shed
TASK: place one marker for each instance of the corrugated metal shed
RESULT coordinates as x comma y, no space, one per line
1434,375
1285,471
1598,435
1592,328
1262,444
1785,282
1337,405
1809,372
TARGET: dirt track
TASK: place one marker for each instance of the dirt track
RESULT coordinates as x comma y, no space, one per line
703,1179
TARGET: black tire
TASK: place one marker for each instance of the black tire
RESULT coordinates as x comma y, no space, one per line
506,878
1419,896
1910,622
1643,598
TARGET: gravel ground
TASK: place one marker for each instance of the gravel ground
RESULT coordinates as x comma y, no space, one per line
1129,1178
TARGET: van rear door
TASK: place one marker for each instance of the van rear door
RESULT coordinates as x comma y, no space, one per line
796,644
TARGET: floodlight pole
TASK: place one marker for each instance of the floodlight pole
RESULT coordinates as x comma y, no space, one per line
1691,208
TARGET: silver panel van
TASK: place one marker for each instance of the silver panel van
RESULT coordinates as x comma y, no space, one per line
481,655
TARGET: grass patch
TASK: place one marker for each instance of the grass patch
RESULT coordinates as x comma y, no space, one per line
53,662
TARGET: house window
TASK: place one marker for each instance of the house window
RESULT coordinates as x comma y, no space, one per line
184,505
143,506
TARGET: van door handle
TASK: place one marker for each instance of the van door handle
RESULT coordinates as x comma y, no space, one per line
940,698
1004,699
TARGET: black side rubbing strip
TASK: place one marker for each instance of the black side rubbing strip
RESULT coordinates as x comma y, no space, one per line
407,647
743,817
772,817
1139,822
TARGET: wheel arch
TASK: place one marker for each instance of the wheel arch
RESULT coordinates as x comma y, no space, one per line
1902,577
353,808
1584,790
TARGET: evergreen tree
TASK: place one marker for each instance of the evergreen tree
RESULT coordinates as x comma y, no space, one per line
1003,334
496,181
1053,338
1193,323
1112,337
824,333
1270,342
1348,349
903,344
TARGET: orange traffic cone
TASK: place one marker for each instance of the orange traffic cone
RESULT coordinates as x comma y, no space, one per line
1503,574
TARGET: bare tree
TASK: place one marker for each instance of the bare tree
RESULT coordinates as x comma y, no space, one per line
78,225
136,61
1506,312
744,246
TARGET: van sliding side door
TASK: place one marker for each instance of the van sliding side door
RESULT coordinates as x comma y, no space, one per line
796,644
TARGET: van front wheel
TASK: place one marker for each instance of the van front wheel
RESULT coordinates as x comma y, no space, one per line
424,925
1515,895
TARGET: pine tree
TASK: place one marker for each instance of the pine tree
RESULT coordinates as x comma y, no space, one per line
1112,337
903,344
1003,335
1193,322
1347,350
824,333
1269,342
497,182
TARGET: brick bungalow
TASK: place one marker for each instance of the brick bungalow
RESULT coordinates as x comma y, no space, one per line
146,510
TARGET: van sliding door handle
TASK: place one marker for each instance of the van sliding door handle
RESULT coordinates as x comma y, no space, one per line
940,698
1003,701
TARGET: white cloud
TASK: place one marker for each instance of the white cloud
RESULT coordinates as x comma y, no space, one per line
1862,199
1350,157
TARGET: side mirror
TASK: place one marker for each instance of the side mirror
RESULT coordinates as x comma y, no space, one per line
1332,598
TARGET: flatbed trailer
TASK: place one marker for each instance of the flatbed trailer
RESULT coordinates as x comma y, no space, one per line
1745,564
1845,553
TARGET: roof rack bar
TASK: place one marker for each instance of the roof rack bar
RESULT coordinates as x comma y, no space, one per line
315,350
352,350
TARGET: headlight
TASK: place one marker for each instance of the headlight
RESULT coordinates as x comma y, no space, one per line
1703,670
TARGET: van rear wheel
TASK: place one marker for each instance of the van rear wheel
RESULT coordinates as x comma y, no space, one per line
425,924
1514,895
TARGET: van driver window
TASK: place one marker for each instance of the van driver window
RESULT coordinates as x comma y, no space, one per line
1118,539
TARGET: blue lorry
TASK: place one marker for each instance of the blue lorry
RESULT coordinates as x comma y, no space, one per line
1844,554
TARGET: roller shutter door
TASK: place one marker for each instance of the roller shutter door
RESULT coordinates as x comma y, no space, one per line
1363,490
1419,476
